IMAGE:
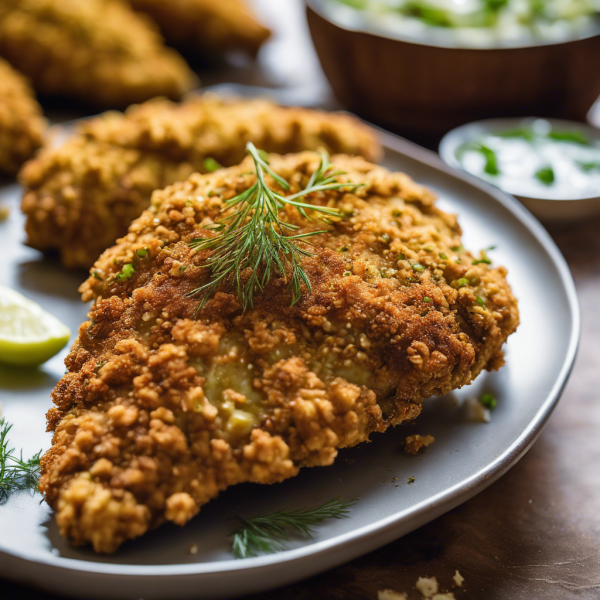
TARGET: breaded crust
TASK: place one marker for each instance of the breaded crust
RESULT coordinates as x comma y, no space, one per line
205,27
81,197
99,51
21,122
165,405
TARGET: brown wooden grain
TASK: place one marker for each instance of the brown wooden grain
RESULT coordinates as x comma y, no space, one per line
418,89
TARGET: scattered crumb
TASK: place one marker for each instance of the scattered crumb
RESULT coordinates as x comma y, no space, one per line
193,549
530,501
411,479
4,212
458,578
428,586
446,596
390,595
394,479
414,443
475,411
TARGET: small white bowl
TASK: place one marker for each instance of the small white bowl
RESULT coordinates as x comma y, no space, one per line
547,207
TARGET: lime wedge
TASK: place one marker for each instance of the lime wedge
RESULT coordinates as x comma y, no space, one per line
29,335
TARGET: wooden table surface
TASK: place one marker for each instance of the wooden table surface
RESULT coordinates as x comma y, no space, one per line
534,534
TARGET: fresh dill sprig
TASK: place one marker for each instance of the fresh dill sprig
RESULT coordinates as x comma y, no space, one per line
269,533
254,237
16,474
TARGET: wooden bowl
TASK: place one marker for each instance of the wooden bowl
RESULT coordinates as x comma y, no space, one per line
421,88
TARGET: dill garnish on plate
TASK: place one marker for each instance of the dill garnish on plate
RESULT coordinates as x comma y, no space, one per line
253,236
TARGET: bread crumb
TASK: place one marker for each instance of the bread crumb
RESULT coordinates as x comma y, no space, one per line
458,578
4,212
447,596
390,595
414,443
194,549
475,411
428,586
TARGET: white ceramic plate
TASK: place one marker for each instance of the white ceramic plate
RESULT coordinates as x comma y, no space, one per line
465,458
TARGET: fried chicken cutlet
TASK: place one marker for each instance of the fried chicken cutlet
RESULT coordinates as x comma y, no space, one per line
21,122
80,197
99,51
167,402
206,27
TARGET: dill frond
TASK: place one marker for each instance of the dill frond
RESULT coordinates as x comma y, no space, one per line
269,533
254,237
16,474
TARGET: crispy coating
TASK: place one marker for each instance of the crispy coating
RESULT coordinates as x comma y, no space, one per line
82,196
99,51
205,27
21,122
165,405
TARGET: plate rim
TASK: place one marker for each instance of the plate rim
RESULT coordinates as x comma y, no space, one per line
364,539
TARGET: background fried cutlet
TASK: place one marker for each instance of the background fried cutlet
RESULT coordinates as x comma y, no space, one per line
80,197
205,27
99,51
165,404
21,122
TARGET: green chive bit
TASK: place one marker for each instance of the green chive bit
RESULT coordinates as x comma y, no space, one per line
397,213
411,479
427,299
182,268
483,260
126,273
545,175
417,267
480,301
142,252
589,166
97,276
489,401
344,249
456,248
569,136
443,256
347,273
460,283
211,165
401,256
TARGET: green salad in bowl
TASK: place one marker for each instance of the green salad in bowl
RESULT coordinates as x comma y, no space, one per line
480,23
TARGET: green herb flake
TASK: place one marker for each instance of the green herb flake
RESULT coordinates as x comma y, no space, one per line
460,283
443,256
142,252
483,259
396,213
211,165
346,273
418,267
344,249
489,401
268,534
589,167
401,256
100,364
97,275
125,273
182,268
545,175
411,479
480,301
575,137
427,299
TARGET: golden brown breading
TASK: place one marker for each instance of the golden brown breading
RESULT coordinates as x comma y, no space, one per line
99,51
82,196
205,27
21,121
164,405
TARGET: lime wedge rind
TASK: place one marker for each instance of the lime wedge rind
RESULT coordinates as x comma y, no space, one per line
29,336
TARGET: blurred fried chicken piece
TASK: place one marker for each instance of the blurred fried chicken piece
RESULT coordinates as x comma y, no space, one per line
21,122
206,27
99,51
82,196
165,405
